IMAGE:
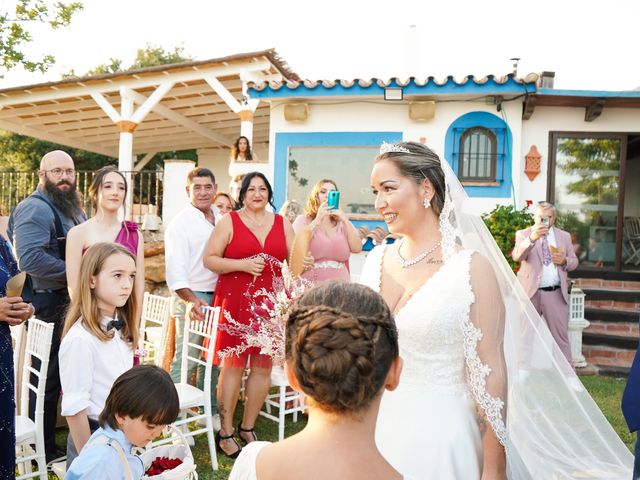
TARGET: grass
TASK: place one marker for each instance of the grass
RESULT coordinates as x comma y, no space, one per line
606,391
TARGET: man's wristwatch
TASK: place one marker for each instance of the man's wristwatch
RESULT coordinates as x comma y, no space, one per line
532,240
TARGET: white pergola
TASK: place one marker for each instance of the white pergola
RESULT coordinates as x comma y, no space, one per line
201,104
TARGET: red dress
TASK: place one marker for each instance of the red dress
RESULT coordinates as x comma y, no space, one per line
232,287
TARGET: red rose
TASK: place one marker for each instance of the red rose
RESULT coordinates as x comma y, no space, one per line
161,464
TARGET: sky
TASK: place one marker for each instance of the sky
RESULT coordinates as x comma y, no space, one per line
589,44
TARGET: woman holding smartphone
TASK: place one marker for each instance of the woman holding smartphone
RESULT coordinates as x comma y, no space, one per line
333,238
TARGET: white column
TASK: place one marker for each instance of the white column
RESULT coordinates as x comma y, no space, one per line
246,123
174,181
125,150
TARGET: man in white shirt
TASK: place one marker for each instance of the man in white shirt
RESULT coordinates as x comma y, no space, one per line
189,280
546,255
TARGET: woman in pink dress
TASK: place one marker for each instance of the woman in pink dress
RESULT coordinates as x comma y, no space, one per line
333,236
108,191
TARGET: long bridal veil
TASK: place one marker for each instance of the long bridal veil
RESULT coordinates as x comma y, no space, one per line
555,429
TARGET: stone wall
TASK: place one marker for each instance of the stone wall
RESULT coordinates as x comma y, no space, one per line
154,272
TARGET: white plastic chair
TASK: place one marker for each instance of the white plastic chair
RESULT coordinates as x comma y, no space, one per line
28,432
192,398
153,326
279,400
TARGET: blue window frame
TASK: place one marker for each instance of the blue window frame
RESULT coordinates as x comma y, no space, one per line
478,148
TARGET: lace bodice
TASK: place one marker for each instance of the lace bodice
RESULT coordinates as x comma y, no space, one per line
431,339
439,341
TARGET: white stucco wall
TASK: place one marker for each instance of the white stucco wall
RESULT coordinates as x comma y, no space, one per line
354,115
358,116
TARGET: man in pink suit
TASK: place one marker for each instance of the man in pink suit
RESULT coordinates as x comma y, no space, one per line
546,255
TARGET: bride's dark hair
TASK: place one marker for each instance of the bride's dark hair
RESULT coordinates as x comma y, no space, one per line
421,162
340,342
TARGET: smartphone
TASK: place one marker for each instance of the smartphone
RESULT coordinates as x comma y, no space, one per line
333,199
544,221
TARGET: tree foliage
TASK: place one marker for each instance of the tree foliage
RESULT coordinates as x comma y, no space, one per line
503,222
21,153
15,32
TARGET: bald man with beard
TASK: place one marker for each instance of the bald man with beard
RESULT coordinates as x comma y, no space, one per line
37,228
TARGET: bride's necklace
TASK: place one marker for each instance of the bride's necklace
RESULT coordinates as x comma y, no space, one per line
259,224
412,261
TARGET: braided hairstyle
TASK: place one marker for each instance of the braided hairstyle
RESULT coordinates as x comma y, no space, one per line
340,342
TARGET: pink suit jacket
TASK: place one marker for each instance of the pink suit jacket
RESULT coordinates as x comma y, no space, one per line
530,256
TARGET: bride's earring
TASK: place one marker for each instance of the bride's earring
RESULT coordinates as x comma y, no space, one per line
426,203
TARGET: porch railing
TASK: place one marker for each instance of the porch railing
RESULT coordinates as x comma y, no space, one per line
15,186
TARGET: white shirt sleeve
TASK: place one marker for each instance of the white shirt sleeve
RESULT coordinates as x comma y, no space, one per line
76,374
177,257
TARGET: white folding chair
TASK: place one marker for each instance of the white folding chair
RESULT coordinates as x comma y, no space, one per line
279,400
192,398
28,432
153,326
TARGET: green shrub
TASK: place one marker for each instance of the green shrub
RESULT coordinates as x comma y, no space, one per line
503,222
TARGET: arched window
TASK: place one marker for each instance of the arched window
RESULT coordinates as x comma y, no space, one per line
478,155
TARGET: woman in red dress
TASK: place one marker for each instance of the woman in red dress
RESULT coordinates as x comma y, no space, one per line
245,249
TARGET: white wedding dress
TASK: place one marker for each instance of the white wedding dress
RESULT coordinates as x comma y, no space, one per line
428,427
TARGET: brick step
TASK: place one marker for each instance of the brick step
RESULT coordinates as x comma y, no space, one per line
614,328
610,315
625,342
612,294
609,358
607,276
613,305
585,283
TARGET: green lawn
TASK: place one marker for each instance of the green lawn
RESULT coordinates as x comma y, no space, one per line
607,393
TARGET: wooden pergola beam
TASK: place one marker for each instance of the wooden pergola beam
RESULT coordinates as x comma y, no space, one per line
49,137
146,159
133,83
184,121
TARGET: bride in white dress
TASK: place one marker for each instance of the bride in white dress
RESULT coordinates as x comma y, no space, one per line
455,414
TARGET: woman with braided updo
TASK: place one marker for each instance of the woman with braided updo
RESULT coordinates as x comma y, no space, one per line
342,352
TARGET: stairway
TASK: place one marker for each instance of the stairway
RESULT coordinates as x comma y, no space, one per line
612,306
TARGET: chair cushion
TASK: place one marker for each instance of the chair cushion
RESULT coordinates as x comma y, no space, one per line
189,396
25,429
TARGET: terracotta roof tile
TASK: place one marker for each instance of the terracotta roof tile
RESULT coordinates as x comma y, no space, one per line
364,83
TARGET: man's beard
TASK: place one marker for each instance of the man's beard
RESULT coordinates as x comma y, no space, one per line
67,201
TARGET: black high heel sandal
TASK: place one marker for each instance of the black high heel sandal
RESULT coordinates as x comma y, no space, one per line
220,437
252,431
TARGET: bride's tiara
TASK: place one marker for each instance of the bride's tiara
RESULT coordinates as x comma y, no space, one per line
392,148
